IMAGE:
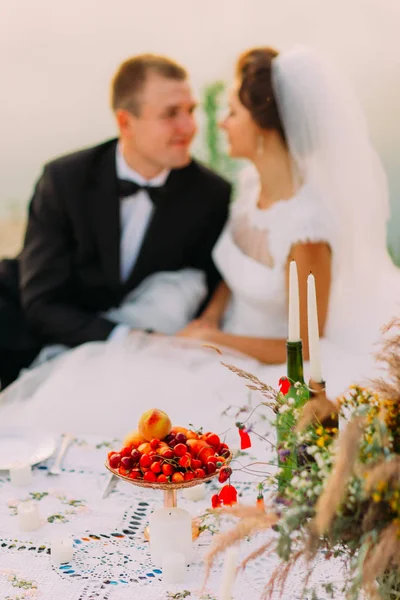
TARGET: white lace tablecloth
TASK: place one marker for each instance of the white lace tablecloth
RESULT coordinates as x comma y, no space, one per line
111,559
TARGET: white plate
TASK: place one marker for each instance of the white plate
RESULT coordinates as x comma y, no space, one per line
22,444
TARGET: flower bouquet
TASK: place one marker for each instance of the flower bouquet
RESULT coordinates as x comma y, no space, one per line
342,499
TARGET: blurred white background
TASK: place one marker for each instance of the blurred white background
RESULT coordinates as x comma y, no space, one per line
57,59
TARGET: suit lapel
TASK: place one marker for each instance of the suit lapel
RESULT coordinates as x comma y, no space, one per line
104,212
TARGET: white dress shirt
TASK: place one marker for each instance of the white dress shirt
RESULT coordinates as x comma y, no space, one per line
135,214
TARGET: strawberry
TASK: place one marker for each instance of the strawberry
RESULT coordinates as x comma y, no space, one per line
224,474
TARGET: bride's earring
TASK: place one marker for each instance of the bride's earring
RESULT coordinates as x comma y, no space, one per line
260,145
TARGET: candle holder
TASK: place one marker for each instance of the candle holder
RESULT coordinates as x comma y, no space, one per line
325,409
170,491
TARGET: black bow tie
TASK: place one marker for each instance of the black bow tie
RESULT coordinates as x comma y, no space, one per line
128,188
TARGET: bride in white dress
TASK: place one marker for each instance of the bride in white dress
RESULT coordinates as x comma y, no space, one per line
315,192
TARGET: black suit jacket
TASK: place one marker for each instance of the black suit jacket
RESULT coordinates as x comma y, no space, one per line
70,263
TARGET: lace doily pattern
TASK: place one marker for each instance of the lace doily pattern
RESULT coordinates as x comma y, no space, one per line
111,557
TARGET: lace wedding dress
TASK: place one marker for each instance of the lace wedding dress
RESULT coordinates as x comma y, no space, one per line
104,387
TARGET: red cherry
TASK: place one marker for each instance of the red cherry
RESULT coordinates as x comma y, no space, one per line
154,444
156,467
167,453
150,476
127,462
162,478
145,461
115,461
213,440
180,449
177,478
211,468
196,463
181,438
123,471
135,456
126,451
185,461
135,474
168,469
188,476
199,473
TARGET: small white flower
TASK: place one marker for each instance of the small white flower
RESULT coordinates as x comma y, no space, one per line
284,408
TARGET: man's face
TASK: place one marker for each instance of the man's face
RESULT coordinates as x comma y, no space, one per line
161,134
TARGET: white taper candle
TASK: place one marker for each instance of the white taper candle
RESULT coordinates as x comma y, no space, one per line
313,330
294,305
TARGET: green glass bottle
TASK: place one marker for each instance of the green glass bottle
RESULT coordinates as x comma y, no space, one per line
285,420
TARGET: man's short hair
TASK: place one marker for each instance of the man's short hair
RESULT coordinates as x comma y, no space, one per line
131,76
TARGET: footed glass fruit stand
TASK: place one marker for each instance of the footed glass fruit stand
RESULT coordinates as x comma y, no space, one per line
170,490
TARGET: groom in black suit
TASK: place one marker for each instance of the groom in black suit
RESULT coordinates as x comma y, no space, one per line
103,219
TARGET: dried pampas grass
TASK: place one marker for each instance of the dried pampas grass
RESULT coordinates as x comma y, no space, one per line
252,520
380,557
335,489
255,384
390,355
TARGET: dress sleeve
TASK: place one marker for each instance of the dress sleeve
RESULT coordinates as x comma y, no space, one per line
301,220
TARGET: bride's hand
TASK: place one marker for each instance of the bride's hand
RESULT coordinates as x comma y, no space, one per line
197,329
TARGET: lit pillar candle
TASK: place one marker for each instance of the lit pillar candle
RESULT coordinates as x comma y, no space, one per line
28,516
228,574
313,330
173,567
62,550
170,531
294,305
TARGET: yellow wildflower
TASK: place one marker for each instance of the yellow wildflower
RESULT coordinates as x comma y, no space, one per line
381,486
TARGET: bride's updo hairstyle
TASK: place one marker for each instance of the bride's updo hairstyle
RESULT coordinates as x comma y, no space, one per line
254,72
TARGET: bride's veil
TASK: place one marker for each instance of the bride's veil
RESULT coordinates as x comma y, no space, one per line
329,143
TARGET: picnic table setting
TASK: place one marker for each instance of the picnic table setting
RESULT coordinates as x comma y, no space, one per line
71,529
288,495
